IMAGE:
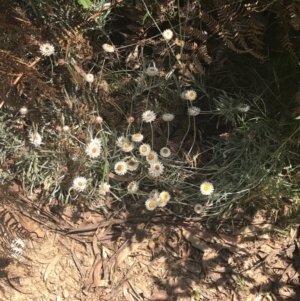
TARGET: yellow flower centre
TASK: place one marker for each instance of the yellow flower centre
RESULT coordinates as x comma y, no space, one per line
206,187
80,184
144,149
127,145
120,167
157,167
165,151
151,205
160,201
164,196
150,157
94,149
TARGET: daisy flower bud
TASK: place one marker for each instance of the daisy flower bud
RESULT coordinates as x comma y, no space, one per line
80,183
167,117
47,49
148,116
66,129
98,119
207,188
108,48
89,78
198,208
137,137
167,34
152,71
243,108
104,188
194,111
23,111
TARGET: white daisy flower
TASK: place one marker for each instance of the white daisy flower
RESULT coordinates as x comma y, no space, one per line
152,157
152,71
80,183
194,111
66,129
121,168
89,78
165,152
167,117
154,194
96,141
35,138
198,208
23,111
167,34
104,188
243,108
190,95
128,147
207,188
18,242
145,149
121,141
47,49
108,47
133,187
160,202
132,164
150,204
93,150
165,196
148,116
156,169
138,137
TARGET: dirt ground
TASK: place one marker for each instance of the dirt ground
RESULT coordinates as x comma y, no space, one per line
77,253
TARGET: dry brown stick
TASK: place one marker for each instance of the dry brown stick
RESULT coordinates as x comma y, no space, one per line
74,257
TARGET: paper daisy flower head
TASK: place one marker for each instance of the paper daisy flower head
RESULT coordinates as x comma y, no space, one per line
121,141
207,188
167,34
145,149
194,111
148,116
93,150
152,71
154,194
152,157
35,138
18,242
80,183
198,208
138,137
150,204
128,147
165,152
108,48
243,108
132,164
165,196
167,117
47,49
133,187
104,188
121,168
160,202
156,169
190,95
89,78
23,111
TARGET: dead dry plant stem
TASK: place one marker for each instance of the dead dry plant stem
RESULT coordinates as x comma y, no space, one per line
29,66
194,136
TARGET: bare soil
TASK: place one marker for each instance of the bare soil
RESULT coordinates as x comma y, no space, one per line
79,253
